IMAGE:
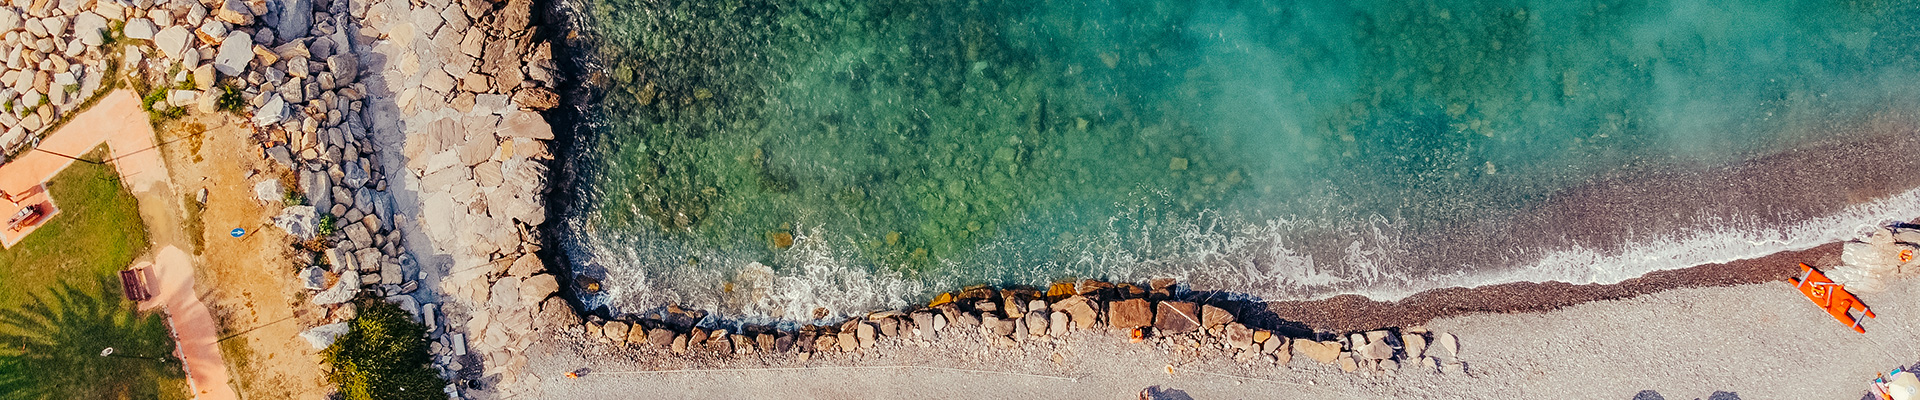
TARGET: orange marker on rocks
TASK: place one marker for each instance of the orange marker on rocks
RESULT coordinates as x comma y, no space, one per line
1831,296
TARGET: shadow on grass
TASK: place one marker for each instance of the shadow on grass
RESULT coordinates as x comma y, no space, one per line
50,347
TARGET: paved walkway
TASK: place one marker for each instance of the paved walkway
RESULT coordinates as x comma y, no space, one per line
118,121
193,326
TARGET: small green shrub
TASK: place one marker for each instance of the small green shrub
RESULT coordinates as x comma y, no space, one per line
154,97
326,227
155,103
383,356
294,198
231,99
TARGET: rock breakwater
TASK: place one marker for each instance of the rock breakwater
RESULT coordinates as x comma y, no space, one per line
410,131
1158,314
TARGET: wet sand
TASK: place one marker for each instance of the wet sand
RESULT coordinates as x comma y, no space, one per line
1353,313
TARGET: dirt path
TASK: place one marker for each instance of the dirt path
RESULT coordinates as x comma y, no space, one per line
192,324
246,282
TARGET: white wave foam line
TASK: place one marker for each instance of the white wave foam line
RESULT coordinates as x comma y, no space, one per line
1213,252
643,272
826,279
1720,244
1230,253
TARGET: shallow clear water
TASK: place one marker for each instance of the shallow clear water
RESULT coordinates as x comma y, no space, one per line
864,153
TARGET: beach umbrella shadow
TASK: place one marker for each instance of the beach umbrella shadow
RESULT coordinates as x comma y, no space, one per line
1158,393
1717,395
52,347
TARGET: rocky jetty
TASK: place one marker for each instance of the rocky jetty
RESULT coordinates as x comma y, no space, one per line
1158,314
461,86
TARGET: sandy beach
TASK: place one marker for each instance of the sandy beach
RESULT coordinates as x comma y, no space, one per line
1754,341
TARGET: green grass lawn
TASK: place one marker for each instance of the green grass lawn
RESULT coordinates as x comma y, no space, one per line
60,301
97,232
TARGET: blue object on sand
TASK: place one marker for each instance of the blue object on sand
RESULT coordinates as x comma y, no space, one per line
238,232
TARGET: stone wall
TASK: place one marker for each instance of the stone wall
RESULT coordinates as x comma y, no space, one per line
459,86
412,131
1158,314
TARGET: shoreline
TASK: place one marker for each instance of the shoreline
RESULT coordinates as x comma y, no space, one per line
1679,342
1350,312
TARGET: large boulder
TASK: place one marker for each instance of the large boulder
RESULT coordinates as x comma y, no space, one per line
1321,352
137,28
272,113
1214,317
234,12
174,41
321,337
526,265
1129,314
314,277
354,175
556,314
9,19
536,98
296,17
506,293
298,221
91,28
516,15
525,124
615,331
234,54
342,291
1080,309
537,288
661,337
1239,336
345,68
1173,317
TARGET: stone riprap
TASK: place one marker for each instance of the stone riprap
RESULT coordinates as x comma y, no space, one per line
54,62
459,88
1036,322
333,90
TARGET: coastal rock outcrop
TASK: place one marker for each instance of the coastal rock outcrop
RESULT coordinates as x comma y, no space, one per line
1886,254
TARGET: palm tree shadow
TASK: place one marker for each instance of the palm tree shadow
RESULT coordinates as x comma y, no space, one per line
52,347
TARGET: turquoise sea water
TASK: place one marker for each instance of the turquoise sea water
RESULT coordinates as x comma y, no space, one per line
769,157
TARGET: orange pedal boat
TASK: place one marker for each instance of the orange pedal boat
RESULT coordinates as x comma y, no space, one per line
1831,296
